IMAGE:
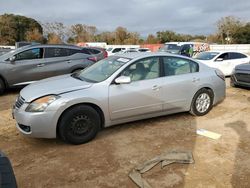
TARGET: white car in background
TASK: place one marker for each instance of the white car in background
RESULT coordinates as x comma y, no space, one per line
112,51
131,50
225,61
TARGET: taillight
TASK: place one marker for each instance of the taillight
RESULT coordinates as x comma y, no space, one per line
220,74
105,53
94,59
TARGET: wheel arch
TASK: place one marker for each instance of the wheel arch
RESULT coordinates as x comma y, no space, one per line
96,107
205,87
4,81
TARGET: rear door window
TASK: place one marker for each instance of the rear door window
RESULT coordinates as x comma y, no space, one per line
176,66
56,52
235,55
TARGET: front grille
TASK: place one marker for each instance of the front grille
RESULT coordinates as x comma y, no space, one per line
19,102
242,77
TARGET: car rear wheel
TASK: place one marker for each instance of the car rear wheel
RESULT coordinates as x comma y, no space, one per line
202,102
2,86
79,124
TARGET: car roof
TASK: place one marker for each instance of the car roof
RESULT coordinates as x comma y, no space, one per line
135,55
54,45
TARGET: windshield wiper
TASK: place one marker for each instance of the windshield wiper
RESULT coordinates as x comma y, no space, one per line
76,76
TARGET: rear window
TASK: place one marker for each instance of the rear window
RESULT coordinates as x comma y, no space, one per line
94,51
85,51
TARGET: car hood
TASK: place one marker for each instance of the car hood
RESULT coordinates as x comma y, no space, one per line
54,85
244,67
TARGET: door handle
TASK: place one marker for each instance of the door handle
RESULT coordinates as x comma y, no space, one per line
156,87
196,79
69,61
41,65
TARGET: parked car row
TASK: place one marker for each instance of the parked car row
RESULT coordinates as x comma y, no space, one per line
121,88
30,63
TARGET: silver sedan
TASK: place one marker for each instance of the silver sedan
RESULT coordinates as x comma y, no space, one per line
119,89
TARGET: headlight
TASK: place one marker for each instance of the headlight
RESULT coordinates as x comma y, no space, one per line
39,105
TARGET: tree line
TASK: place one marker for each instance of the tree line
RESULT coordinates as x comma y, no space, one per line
15,28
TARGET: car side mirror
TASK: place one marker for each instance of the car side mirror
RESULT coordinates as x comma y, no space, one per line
12,59
123,80
219,59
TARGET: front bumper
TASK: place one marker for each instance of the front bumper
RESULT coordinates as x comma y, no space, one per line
38,124
235,81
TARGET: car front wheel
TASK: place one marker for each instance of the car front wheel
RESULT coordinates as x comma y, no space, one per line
79,124
2,86
202,102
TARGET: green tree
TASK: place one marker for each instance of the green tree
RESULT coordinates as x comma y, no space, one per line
227,27
34,36
14,28
242,36
120,35
55,32
151,39
82,33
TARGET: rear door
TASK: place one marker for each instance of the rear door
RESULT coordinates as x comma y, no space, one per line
180,82
58,61
142,96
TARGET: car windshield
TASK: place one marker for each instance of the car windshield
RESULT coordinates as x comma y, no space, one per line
174,48
102,70
206,55
109,49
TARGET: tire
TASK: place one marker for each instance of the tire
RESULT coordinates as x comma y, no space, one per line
2,86
232,83
202,102
79,124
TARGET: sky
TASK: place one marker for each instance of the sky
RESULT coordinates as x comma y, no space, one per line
142,16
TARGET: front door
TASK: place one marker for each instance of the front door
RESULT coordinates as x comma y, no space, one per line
142,96
25,67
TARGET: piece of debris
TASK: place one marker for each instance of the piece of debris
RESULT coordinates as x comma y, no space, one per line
184,157
208,134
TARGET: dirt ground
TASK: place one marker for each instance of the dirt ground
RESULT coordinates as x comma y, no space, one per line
107,160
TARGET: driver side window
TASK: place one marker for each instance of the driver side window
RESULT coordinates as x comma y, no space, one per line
35,53
224,56
144,69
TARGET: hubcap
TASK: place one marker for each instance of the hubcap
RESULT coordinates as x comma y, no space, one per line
202,102
80,125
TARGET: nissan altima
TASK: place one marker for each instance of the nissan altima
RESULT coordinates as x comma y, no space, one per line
115,90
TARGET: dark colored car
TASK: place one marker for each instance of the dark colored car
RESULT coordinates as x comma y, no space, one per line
28,64
7,177
241,75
